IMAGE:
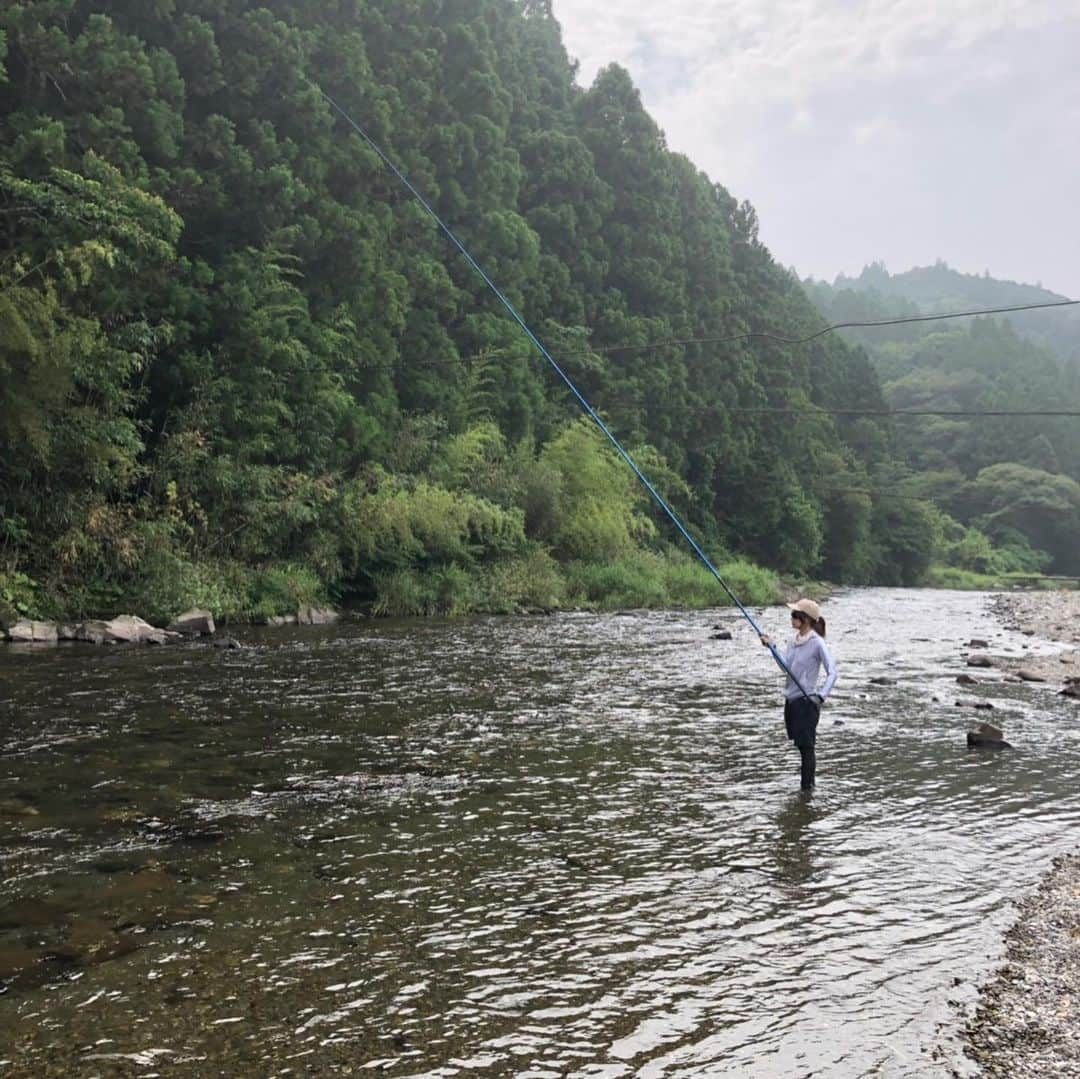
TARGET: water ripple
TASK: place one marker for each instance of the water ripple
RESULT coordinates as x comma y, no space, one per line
540,847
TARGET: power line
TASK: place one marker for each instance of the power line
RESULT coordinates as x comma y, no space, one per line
815,410
904,411
835,326
675,342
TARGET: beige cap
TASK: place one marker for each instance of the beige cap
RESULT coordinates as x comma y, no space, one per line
808,607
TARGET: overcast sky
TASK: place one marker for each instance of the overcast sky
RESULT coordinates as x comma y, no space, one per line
900,130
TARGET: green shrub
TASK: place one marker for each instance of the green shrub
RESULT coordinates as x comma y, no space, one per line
754,585
283,590
399,526
445,590
688,583
598,517
534,580
972,551
670,579
18,598
1015,555
633,581
961,579
399,592
452,590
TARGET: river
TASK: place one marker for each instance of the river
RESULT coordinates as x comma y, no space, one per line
532,847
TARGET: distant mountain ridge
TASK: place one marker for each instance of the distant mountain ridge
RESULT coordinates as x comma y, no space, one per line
939,289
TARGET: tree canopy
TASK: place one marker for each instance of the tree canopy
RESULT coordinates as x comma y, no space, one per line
240,363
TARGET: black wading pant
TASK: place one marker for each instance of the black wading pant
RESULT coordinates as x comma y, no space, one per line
801,720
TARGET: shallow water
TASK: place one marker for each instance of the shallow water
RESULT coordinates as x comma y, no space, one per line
531,847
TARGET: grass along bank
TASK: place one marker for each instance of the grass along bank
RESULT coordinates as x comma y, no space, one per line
238,594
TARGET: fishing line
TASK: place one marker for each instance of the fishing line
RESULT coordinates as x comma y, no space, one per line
589,410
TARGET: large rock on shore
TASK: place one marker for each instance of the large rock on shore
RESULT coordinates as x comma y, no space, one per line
125,629
27,631
306,615
316,616
130,629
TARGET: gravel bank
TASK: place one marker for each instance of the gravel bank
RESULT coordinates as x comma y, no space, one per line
1027,1025
1054,616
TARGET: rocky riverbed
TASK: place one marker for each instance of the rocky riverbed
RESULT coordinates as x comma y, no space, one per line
1027,1024
1028,1021
1054,616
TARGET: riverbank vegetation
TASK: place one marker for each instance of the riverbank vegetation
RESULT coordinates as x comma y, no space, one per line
241,369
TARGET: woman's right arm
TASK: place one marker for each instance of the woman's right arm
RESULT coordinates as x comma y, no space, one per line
830,669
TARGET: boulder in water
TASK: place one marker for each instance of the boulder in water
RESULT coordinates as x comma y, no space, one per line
1030,676
17,807
979,661
986,736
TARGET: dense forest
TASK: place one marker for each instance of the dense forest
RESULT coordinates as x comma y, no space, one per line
1013,480
241,368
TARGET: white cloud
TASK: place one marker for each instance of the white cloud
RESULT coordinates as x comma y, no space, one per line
878,130
927,125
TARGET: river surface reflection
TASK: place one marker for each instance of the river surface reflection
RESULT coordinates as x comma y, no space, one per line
529,847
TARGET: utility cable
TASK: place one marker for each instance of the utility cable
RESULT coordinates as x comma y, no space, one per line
813,409
887,413
829,329
589,410
675,342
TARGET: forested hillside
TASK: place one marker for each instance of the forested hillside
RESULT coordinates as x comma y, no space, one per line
939,288
1017,478
240,367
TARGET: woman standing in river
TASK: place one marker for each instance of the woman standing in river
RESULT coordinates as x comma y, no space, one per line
806,654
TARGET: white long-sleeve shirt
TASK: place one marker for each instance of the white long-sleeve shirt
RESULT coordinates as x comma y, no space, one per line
804,658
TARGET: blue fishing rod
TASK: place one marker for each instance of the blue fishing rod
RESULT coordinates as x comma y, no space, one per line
589,410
